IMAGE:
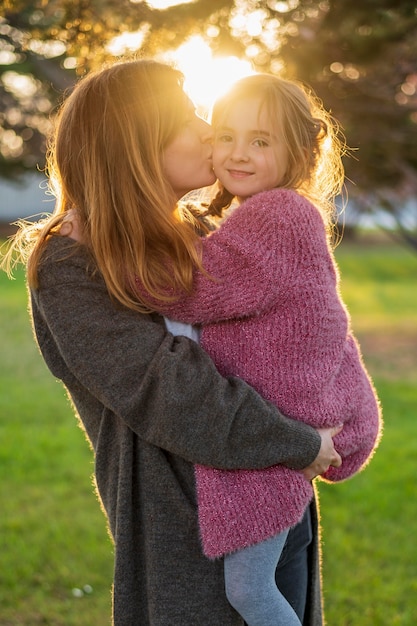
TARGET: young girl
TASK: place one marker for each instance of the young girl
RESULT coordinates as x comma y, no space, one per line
271,313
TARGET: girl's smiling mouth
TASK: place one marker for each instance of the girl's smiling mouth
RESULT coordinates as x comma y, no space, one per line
239,173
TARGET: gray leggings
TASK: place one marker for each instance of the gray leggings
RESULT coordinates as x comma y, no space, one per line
251,588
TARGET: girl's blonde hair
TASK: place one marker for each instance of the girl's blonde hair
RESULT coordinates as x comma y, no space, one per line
105,162
313,139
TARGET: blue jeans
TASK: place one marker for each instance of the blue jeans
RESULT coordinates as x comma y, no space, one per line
292,572
267,582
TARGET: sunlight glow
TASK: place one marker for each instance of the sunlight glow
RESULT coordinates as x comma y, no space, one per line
11,145
20,85
48,49
206,77
8,57
127,41
163,4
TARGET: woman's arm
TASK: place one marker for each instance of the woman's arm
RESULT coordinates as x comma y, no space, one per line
165,389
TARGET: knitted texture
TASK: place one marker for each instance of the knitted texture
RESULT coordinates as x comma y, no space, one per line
147,403
272,315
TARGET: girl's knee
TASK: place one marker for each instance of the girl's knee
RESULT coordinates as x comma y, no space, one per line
240,594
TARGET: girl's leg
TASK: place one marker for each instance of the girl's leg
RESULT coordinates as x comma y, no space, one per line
251,588
292,571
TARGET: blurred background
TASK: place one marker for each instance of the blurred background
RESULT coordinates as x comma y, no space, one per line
361,60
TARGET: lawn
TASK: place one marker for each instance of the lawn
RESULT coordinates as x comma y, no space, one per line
53,539
369,522
56,557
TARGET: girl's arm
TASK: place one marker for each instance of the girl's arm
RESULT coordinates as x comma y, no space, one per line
362,430
250,258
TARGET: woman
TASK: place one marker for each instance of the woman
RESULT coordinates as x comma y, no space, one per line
152,405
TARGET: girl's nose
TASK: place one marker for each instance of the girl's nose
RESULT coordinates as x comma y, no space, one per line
239,153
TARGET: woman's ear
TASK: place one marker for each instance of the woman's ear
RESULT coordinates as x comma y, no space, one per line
71,227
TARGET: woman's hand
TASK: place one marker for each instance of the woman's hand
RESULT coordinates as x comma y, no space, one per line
327,455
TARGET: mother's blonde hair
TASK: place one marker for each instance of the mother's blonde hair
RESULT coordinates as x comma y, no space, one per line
105,162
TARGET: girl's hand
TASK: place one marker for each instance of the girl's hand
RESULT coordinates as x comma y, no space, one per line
327,456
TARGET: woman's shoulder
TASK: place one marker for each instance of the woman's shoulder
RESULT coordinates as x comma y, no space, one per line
57,246
63,259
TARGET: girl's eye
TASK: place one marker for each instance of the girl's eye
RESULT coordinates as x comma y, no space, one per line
260,143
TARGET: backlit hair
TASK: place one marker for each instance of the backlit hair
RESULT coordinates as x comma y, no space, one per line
105,162
314,143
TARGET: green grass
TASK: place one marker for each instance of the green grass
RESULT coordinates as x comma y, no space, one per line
378,284
53,537
369,522
52,533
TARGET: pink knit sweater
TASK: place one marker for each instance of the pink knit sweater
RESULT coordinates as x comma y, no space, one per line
274,317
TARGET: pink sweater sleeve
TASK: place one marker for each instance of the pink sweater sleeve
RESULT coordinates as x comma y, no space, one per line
250,258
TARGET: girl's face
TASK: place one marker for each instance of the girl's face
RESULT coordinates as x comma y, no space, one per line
248,155
187,160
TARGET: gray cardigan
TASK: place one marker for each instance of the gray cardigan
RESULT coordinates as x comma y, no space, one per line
152,405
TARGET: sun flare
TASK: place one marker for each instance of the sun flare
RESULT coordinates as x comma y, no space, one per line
164,4
206,77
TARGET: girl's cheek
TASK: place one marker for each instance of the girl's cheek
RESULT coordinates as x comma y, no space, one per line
217,155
